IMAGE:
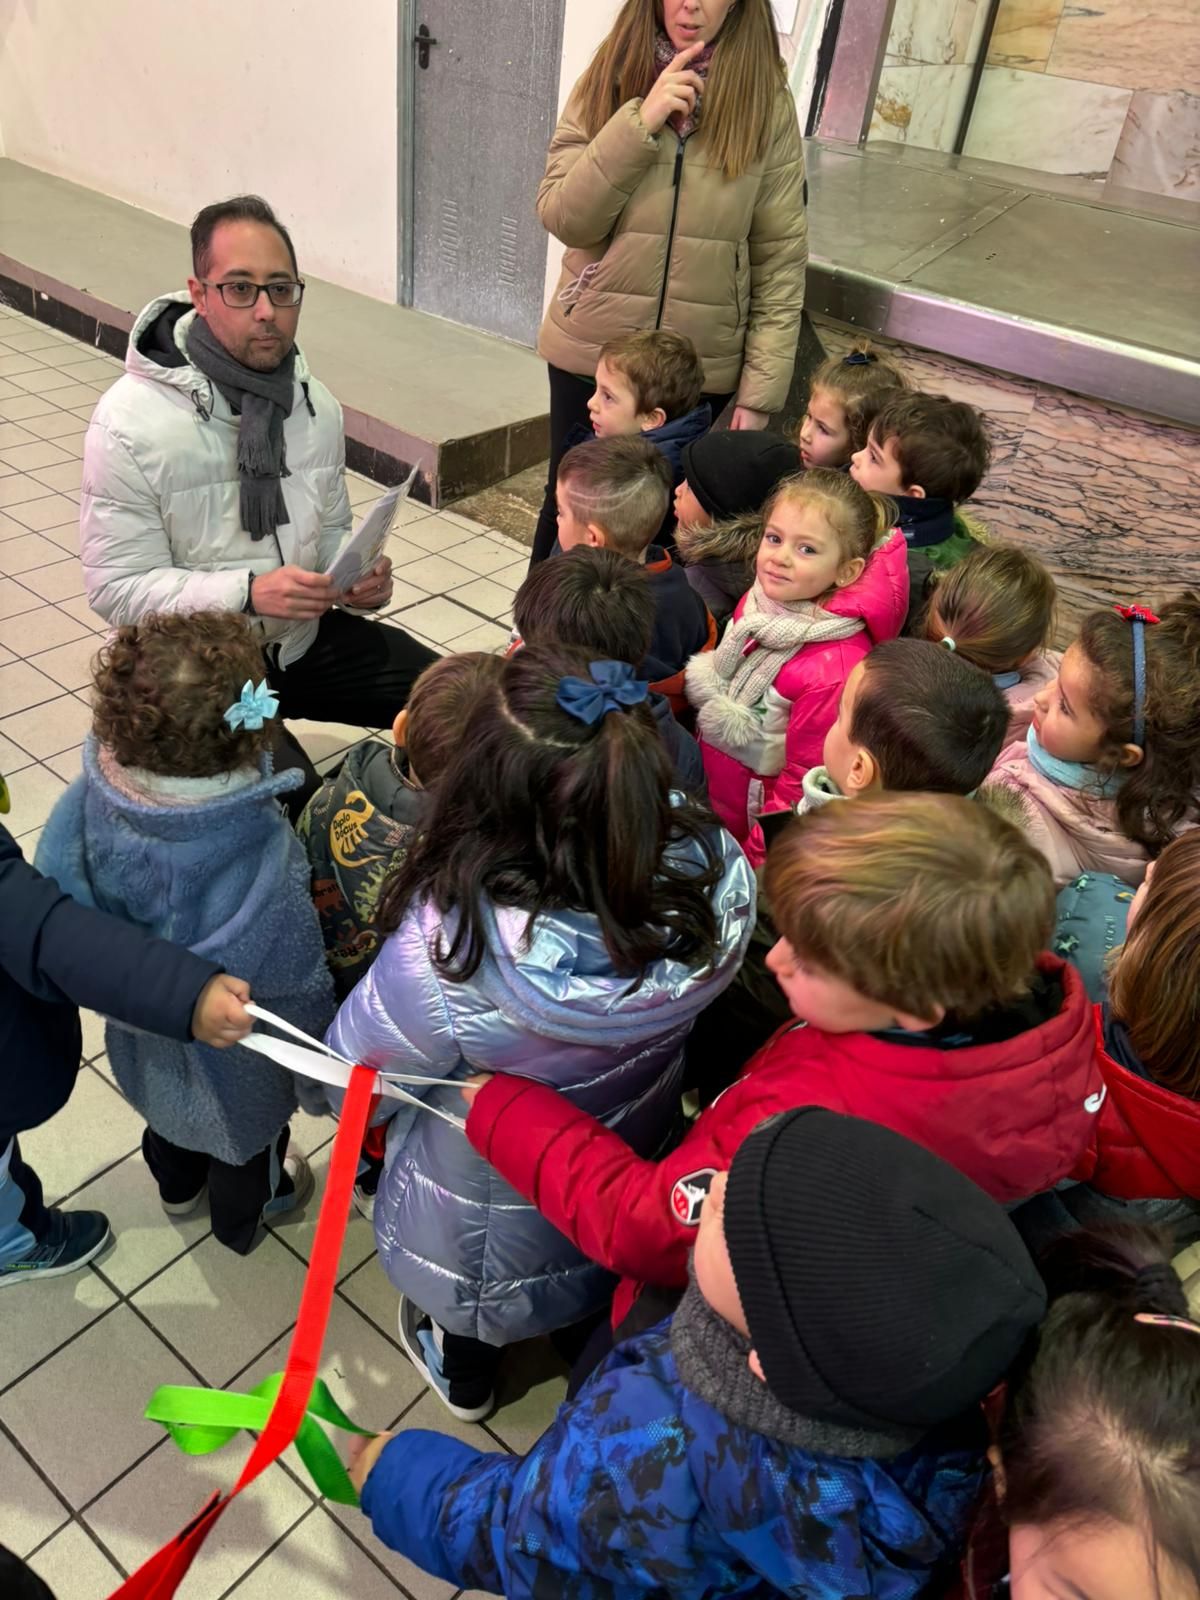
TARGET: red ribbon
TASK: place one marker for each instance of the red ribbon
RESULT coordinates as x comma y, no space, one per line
1136,614
160,1576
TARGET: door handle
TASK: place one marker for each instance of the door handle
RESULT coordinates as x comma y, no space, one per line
423,41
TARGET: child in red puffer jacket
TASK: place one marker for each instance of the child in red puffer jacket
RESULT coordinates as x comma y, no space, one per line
913,954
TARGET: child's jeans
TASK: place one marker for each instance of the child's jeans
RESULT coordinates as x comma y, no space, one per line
24,1218
236,1195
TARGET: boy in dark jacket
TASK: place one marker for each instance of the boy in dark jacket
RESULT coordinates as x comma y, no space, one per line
596,599
612,494
912,952
807,1423
928,453
650,383
55,956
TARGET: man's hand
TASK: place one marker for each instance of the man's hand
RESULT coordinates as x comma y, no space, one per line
220,1017
743,417
293,593
373,591
364,1453
473,1085
677,89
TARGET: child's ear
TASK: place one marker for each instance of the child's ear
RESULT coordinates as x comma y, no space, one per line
400,728
756,1367
1132,755
849,572
649,420
863,774
914,491
595,536
914,1024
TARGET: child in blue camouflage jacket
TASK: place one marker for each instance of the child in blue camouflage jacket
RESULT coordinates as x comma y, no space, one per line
807,1423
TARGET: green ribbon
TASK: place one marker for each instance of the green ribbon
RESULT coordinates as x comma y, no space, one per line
202,1420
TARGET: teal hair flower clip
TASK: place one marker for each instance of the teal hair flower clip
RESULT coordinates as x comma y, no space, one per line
253,706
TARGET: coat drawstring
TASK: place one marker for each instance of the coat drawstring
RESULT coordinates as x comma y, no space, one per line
198,401
312,410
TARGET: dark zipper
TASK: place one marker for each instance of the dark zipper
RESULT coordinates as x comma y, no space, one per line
676,182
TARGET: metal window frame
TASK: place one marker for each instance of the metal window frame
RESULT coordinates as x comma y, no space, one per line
406,155
847,96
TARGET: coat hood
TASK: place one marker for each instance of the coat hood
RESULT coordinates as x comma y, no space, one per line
561,982
880,594
1148,1137
734,540
679,432
170,317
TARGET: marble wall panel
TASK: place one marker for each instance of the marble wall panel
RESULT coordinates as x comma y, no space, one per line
1032,119
934,31
920,105
1024,33
1159,148
1109,499
1130,43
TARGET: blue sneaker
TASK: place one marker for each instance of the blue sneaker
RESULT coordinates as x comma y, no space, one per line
421,1338
74,1239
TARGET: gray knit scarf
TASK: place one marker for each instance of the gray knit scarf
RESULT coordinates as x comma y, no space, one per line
711,1357
262,401
729,685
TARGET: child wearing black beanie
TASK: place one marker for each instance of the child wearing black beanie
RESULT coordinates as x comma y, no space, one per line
808,1422
727,479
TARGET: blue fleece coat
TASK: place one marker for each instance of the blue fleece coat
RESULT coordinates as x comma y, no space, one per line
227,878
641,1489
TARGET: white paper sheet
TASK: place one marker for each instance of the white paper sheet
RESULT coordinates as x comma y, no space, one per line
365,545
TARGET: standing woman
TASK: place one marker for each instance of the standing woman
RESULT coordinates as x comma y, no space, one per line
676,180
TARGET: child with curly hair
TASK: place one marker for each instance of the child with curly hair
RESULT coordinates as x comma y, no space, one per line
175,825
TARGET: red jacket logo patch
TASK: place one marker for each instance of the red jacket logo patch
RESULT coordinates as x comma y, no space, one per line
689,1194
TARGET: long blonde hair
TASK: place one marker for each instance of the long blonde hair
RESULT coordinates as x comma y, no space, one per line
739,96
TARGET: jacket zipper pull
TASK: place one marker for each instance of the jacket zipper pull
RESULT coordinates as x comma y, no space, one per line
198,402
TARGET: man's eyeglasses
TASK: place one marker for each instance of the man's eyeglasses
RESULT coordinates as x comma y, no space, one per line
241,294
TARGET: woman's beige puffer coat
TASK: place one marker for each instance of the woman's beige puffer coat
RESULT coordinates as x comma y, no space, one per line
656,237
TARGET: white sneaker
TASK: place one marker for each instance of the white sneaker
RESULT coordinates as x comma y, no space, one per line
184,1208
302,1183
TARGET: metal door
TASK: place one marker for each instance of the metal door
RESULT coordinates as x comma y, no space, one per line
484,90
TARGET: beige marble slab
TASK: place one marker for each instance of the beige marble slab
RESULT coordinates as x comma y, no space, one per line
920,105
934,31
1159,148
1109,499
1052,124
1130,43
1024,33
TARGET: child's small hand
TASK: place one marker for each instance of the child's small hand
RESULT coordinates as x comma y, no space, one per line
473,1085
364,1453
220,1017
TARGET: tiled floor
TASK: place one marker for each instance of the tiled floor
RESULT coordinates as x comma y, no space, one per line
87,1488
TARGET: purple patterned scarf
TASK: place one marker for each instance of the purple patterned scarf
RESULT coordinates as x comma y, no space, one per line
664,53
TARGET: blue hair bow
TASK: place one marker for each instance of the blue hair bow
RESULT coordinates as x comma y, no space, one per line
858,358
613,686
253,706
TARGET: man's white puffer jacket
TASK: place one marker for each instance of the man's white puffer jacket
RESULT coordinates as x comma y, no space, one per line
158,515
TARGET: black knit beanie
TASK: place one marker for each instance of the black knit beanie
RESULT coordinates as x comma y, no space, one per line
732,474
882,1288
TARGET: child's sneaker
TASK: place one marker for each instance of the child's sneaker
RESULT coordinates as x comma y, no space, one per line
74,1239
295,1186
421,1338
184,1208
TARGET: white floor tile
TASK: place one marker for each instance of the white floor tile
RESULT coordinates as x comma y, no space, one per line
485,596
438,619
435,533
166,1490
12,433
59,723
62,581
27,457
402,552
482,556
60,425
403,594
317,1561
359,1243
80,1413
27,554
192,1303
70,664
67,765
432,573
145,1238
12,757
17,489
29,1511
74,1568
95,1128
487,636
34,631
93,1034
40,1317
32,794
77,606
15,598
47,511
18,408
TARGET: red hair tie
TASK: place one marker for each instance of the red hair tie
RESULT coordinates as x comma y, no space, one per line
1136,614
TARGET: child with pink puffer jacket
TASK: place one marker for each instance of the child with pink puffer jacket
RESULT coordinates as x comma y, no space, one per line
830,583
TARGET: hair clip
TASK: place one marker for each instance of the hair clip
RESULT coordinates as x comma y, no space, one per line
1138,616
613,687
949,642
253,706
1159,1319
858,358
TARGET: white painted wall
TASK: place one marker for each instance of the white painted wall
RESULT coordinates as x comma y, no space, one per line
169,106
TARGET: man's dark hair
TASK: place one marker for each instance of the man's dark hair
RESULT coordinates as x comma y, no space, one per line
241,208
590,597
931,721
941,444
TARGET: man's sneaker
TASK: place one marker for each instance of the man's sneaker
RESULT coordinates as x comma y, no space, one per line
74,1239
295,1186
184,1208
421,1338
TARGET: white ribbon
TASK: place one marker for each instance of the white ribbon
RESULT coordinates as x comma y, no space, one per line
313,1059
